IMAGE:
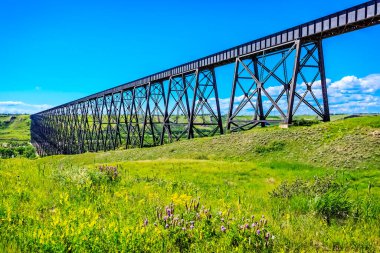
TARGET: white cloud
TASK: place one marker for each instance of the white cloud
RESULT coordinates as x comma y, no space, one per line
353,95
11,103
350,94
15,107
351,84
371,83
274,90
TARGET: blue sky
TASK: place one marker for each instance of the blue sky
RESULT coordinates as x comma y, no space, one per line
52,52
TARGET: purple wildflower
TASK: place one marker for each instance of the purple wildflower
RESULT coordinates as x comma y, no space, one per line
223,228
246,226
167,226
145,222
191,226
258,232
168,211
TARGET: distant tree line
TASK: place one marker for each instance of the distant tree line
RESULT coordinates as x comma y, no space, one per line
14,149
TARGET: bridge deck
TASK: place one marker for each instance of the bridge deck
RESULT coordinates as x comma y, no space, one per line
354,18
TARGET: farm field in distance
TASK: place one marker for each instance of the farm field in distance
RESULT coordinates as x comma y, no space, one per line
14,127
15,137
306,188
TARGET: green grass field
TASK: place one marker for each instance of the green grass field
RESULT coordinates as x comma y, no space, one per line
309,189
14,128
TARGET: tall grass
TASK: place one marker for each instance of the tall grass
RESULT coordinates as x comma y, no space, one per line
211,194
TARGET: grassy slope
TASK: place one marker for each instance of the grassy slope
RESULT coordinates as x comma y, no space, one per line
352,143
231,173
16,130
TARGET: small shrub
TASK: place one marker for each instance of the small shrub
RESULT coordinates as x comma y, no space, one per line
14,149
333,204
7,152
201,157
271,147
318,186
330,198
110,171
30,152
105,174
305,122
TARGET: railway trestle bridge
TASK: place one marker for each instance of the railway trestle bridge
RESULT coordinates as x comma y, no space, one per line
274,78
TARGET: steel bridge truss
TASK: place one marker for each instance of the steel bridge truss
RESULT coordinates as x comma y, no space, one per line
193,107
273,85
268,87
138,117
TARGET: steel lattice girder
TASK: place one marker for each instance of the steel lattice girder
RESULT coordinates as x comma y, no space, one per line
205,116
177,109
192,106
252,74
155,117
137,117
147,116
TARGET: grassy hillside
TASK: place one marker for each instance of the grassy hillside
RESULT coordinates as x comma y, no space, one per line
317,187
15,137
14,127
351,143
